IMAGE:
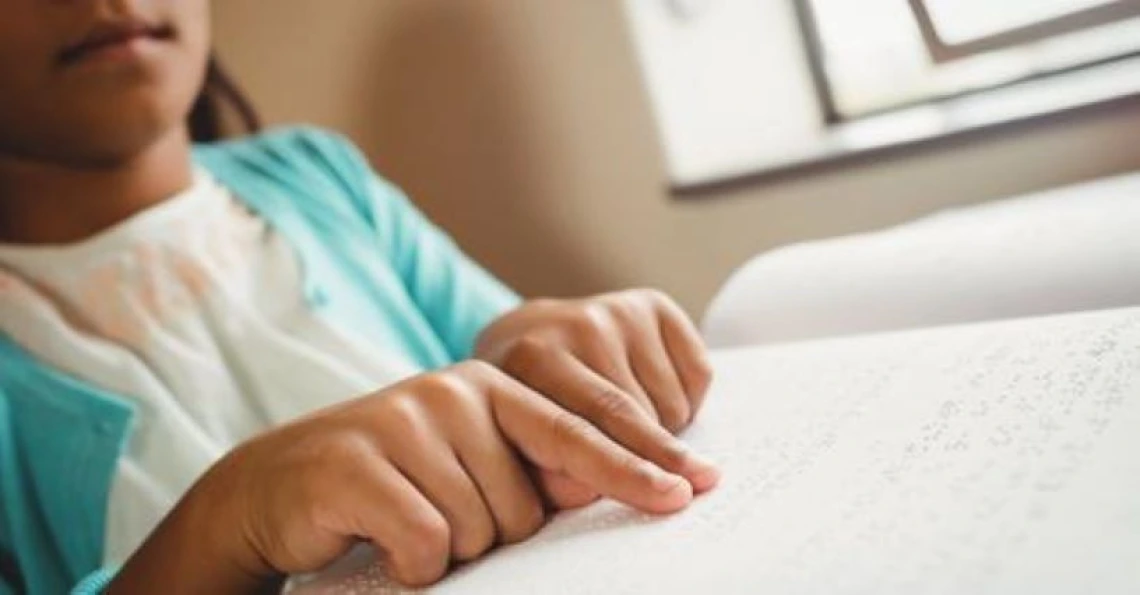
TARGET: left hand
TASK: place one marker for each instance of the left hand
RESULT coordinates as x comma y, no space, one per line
631,363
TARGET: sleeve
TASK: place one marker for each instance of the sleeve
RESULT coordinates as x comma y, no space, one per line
457,296
94,583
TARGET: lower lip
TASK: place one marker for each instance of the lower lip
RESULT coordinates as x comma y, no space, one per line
122,51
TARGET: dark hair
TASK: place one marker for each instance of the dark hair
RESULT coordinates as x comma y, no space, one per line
220,96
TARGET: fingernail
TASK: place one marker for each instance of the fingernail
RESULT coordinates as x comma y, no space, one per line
691,459
697,460
703,473
663,481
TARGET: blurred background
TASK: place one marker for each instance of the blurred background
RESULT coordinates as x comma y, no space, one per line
572,147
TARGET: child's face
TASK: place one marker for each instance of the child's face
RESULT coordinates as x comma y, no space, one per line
94,82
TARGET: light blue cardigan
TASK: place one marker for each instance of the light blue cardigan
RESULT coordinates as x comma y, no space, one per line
370,262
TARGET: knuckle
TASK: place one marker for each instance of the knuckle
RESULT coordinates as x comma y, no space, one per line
597,312
658,297
631,466
443,382
569,429
649,295
594,331
315,507
472,543
589,322
609,403
674,455
703,371
529,520
674,414
429,538
451,389
702,376
403,411
631,312
476,369
545,304
337,450
528,355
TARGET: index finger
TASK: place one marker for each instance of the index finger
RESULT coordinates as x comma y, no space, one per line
596,399
557,440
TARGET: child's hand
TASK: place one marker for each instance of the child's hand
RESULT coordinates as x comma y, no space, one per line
431,470
629,362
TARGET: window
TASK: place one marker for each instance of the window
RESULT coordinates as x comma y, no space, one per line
875,55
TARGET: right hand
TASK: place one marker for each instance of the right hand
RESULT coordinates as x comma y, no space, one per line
430,470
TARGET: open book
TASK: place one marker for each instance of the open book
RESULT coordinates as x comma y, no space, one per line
1068,249
988,458
955,457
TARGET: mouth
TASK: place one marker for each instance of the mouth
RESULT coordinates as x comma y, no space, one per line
115,40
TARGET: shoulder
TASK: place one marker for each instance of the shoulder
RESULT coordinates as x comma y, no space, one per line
305,149
316,168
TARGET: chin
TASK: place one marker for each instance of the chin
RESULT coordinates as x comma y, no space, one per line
111,138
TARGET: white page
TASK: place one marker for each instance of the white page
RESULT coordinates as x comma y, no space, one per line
1069,249
995,458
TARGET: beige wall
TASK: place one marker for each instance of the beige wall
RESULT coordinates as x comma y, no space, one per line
522,127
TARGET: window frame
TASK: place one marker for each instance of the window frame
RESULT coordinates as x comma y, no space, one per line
814,52
942,51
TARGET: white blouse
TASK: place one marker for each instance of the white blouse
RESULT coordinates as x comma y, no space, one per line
192,309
